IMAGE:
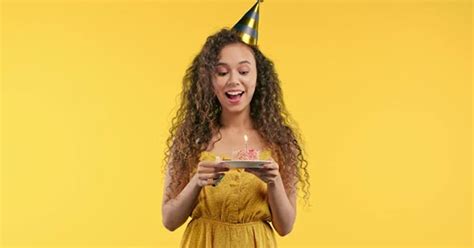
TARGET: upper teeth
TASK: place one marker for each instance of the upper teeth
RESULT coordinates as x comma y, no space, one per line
233,93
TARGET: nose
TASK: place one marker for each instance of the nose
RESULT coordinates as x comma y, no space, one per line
234,78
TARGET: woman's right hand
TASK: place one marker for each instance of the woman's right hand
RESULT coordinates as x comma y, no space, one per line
210,172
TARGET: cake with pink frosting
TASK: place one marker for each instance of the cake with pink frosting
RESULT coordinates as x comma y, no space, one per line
250,154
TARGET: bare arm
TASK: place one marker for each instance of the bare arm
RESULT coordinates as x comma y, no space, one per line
176,211
283,207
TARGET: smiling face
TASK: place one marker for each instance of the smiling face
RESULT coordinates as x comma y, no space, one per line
235,77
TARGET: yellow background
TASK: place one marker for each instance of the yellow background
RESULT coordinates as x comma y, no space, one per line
381,91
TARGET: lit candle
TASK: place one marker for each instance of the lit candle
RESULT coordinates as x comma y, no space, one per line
246,141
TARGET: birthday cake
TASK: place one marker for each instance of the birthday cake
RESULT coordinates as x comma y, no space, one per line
250,154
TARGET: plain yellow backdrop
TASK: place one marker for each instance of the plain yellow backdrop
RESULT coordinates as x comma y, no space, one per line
381,91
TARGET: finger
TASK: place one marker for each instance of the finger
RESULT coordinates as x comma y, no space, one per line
221,167
206,163
222,164
220,176
253,171
206,176
204,167
271,166
212,170
213,166
214,180
205,182
258,174
218,180
249,170
259,170
210,181
202,182
210,164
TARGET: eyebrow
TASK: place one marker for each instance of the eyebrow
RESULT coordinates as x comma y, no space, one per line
241,62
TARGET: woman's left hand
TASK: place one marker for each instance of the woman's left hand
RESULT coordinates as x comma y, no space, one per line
269,173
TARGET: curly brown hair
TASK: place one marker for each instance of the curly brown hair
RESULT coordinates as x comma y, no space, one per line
198,119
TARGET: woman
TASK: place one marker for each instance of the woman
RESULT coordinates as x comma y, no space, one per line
231,89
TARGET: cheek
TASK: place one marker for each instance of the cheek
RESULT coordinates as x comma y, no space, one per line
251,90
253,84
218,84
215,86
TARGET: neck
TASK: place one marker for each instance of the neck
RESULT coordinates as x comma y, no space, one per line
236,121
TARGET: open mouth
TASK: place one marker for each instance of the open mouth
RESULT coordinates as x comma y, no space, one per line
234,95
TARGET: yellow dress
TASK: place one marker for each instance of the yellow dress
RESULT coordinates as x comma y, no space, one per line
235,213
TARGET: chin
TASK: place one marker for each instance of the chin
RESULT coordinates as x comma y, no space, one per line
236,109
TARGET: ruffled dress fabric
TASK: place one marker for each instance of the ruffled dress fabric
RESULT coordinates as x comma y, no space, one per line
235,213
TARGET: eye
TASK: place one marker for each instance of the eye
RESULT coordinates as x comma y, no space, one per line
244,72
221,74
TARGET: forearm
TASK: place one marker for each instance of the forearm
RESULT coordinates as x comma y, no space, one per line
283,213
176,211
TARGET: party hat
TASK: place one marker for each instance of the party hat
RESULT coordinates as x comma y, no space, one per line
247,26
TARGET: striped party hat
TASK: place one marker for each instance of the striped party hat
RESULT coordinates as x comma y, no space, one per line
247,26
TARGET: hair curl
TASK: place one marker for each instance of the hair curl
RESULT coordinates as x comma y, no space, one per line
198,118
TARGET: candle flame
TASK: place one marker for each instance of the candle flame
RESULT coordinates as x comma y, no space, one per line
246,138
